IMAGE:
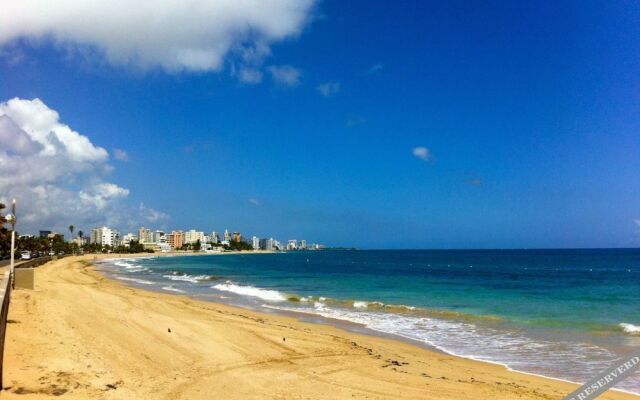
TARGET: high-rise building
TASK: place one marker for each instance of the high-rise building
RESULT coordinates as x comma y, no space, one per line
227,236
159,237
105,236
267,244
255,242
292,244
145,235
302,245
215,237
128,238
175,239
192,236
237,237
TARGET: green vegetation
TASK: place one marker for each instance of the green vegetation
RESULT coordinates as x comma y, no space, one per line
5,236
239,246
134,247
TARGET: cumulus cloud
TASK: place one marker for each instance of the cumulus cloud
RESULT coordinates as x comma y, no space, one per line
249,75
285,75
194,36
422,153
151,215
57,174
121,155
329,88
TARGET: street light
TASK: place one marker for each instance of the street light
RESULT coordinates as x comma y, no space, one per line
11,218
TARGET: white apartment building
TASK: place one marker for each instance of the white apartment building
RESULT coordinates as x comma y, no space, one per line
193,236
292,244
159,237
105,236
146,235
255,242
215,237
128,238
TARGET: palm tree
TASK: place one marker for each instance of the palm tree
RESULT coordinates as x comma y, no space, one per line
80,234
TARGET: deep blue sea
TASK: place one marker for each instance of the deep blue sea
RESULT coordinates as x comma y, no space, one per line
566,314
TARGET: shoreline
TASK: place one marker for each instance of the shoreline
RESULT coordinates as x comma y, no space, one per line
360,365
350,326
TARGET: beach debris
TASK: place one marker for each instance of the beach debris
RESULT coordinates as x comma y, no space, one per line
169,330
284,339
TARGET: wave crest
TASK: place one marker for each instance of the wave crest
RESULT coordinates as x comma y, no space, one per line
630,328
252,291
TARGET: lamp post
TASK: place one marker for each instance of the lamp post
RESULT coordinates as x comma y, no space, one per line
11,218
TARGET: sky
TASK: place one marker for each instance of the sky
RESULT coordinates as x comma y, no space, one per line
374,124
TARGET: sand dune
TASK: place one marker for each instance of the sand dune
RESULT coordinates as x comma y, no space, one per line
82,336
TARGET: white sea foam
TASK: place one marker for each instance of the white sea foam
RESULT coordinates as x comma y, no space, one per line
264,294
630,328
141,281
130,267
360,304
564,359
187,278
172,289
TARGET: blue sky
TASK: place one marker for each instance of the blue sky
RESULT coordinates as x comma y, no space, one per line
530,114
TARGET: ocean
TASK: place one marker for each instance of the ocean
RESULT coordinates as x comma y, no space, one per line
565,314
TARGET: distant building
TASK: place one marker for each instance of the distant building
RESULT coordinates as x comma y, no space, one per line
44,234
227,236
255,242
193,236
53,235
237,237
145,235
105,236
80,241
302,245
159,237
175,239
292,244
267,244
128,238
215,237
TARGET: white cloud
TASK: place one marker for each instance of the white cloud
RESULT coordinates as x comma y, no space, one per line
151,215
329,88
422,153
56,174
255,202
375,68
100,194
249,75
355,121
174,35
121,155
285,75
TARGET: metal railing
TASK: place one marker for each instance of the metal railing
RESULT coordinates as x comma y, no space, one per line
5,295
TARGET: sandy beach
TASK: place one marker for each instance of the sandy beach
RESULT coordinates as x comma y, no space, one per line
81,336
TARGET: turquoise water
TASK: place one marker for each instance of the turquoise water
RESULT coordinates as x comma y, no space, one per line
560,313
